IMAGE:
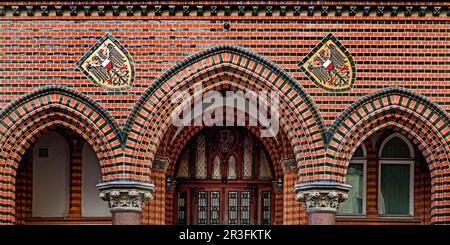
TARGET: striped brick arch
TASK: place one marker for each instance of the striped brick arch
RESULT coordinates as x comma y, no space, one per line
422,121
26,119
218,68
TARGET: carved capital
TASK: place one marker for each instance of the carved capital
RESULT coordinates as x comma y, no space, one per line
126,196
321,196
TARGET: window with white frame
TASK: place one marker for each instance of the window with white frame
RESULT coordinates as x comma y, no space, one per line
356,177
396,177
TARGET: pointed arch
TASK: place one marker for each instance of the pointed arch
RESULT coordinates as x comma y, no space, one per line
24,120
403,139
426,125
172,147
216,68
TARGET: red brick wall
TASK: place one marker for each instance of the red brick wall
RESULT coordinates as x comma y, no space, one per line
154,212
293,212
411,52
24,190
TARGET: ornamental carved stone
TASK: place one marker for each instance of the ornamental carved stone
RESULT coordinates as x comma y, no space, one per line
125,196
322,196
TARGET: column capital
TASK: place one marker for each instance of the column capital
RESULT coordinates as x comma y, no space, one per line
126,196
161,163
321,196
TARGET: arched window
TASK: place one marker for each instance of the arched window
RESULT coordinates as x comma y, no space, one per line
356,177
200,170
50,176
216,168
231,172
91,204
183,168
265,171
248,157
396,176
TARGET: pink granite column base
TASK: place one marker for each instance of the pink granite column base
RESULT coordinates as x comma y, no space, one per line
126,218
322,218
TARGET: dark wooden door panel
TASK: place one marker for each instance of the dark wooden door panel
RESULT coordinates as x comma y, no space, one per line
212,187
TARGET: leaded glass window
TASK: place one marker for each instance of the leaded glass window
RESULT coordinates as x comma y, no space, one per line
233,208
248,157
182,208
200,171
216,168
245,208
264,166
214,208
232,174
265,208
183,168
202,208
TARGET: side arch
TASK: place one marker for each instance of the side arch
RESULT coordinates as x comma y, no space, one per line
425,123
25,119
218,67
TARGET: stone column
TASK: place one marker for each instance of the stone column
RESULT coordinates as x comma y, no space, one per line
321,200
126,200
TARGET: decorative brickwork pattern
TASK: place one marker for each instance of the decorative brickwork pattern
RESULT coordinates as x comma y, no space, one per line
149,120
425,124
44,108
293,212
154,211
175,44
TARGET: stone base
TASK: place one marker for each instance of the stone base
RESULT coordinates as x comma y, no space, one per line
324,218
126,218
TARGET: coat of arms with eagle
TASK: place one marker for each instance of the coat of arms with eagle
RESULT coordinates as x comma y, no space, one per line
108,64
330,66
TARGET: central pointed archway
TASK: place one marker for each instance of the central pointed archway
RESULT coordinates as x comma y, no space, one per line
216,69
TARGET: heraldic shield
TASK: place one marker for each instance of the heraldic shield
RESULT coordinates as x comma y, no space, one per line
108,64
330,66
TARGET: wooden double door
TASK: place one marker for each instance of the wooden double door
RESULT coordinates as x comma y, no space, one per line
224,176
244,204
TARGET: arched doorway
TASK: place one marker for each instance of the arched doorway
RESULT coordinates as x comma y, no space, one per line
224,176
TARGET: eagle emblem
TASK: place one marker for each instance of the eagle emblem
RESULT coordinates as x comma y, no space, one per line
330,66
108,64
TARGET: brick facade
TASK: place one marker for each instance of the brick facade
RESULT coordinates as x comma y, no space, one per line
402,83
